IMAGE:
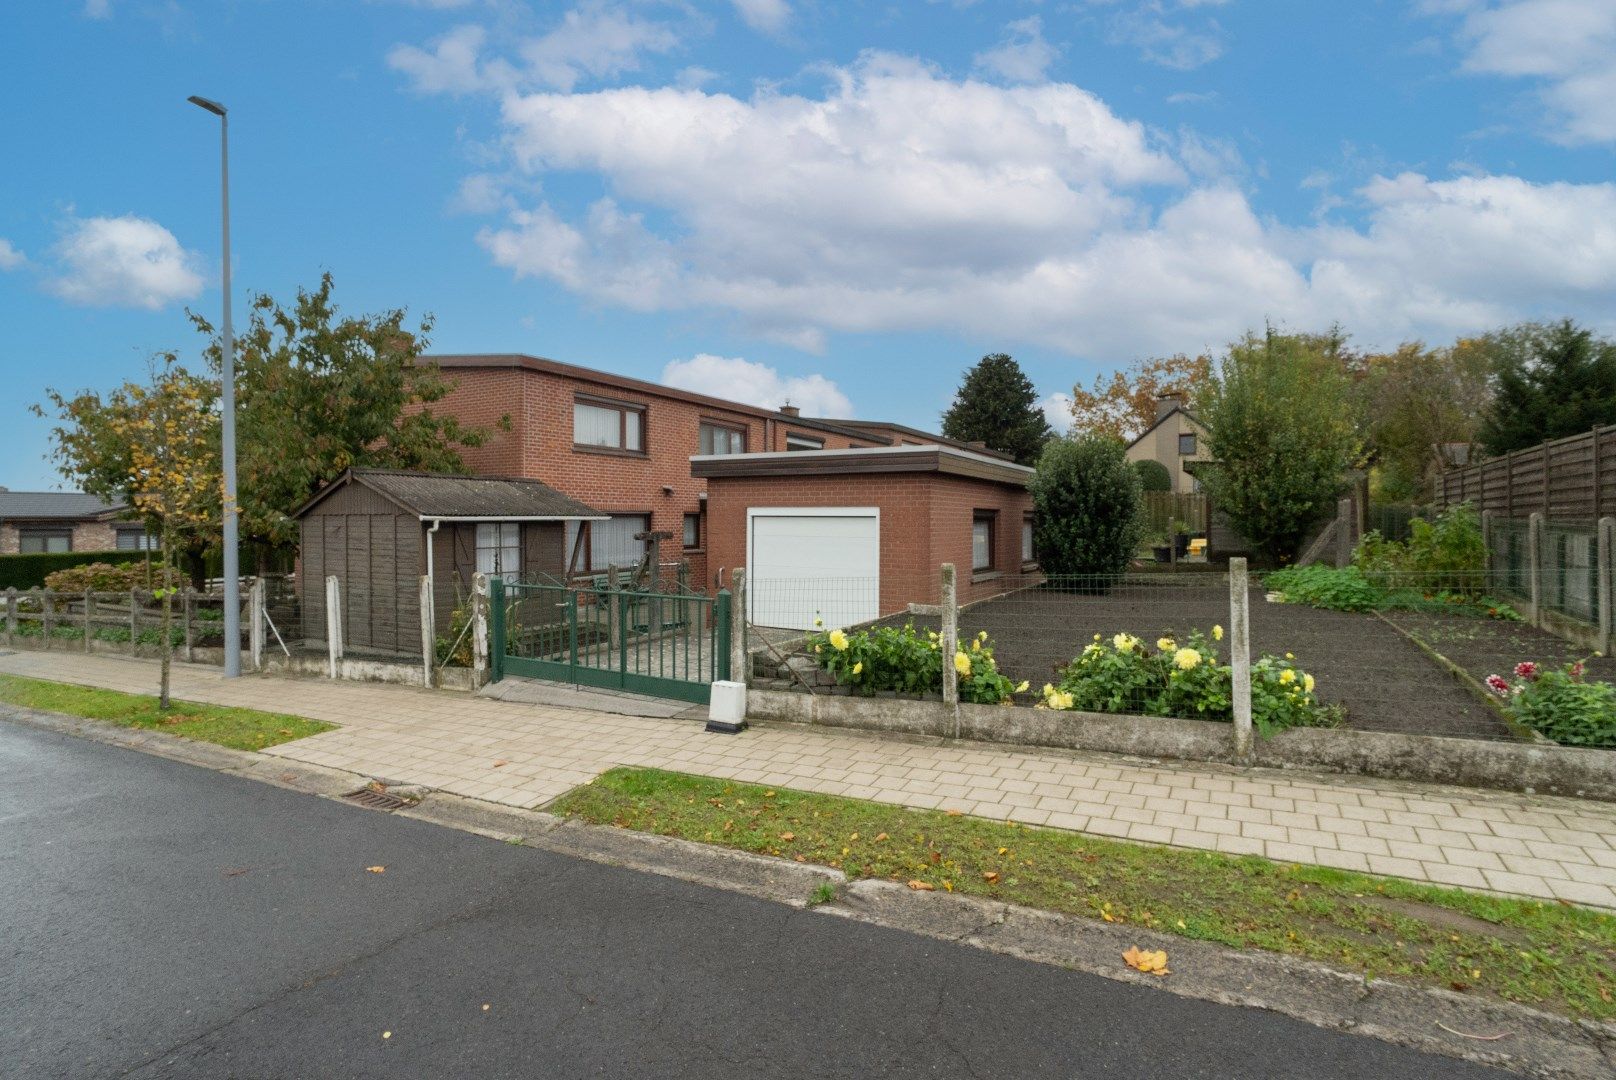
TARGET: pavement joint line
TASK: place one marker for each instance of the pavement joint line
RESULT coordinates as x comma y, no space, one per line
1539,1044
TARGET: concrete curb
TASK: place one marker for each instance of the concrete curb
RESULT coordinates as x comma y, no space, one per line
1538,1044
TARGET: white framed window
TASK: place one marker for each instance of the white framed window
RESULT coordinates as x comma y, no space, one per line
499,549
721,439
612,542
607,426
982,541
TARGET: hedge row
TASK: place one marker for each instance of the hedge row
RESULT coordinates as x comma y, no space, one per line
29,571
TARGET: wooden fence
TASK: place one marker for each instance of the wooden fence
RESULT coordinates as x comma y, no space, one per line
1162,508
1570,480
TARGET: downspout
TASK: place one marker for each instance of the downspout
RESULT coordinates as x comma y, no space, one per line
431,580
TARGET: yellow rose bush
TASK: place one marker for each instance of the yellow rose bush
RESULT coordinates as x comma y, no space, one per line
1123,675
904,660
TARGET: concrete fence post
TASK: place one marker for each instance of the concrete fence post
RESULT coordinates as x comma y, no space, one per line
1487,544
1240,657
1343,532
255,623
89,603
429,647
1607,548
739,658
46,603
11,616
1534,565
134,620
480,644
614,610
948,610
187,605
333,626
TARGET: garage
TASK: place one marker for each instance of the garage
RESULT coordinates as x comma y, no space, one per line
810,563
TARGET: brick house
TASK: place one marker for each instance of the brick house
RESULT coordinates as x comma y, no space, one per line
59,521
625,445
853,535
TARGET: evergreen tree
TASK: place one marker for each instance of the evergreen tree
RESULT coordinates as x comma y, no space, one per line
1553,380
997,405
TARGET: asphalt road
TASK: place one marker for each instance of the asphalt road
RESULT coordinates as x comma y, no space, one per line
162,920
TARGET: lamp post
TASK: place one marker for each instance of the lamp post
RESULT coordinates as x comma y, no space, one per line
232,564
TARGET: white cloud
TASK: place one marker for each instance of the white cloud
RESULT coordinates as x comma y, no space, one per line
736,379
899,199
1164,34
1023,55
98,9
10,257
765,16
124,261
1057,409
1569,46
594,40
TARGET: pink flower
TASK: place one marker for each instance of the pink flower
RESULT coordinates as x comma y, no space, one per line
1576,670
1526,669
1499,685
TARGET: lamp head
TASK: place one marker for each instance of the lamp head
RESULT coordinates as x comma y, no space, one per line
203,103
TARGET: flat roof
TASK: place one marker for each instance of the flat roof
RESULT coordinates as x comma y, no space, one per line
879,459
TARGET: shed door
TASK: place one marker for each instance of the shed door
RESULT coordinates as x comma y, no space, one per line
819,562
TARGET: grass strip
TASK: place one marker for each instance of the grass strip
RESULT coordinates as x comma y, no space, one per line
239,729
1548,954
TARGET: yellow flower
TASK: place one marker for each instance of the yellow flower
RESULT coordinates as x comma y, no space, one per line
1096,637
858,668
1166,644
819,622
1123,643
1022,689
1217,633
838,640
1186,659
1307,683
983,636
1290,656
962,663
1287,677
931,634
817,648
1058,699
1048,689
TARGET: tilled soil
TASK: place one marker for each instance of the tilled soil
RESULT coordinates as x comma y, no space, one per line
1485,647
1383,680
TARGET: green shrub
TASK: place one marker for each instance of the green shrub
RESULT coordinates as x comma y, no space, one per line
98,577
1086,498
1186,681
1320,586
29,571
899,659
1153,476
1560,704
1447,553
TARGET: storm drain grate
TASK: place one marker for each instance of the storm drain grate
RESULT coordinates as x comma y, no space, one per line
376,800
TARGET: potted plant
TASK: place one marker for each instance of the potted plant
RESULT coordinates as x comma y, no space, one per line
1161,546
1180,531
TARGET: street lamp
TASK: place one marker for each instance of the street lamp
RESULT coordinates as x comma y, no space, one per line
232,563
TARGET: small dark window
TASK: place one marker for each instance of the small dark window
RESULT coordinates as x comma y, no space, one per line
722,439
136,540
39,541
982,530
692,530
1186,445
803,442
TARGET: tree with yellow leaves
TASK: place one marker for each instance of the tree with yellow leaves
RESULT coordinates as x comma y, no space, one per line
1124,405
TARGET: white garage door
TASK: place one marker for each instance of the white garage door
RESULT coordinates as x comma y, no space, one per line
813,563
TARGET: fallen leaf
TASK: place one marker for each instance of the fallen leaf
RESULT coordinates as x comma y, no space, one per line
237,872
288,777
788,836
485,1008
286,731
880,837
922,886
949,885
501,763
377,869
387,1034
1003,850
768,794
991,876
1150,962
955,813
853,837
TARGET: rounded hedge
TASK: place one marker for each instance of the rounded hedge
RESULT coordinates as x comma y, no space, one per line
1153,476
1086,498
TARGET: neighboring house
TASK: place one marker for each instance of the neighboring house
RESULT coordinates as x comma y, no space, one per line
1176,439
59,521
624,445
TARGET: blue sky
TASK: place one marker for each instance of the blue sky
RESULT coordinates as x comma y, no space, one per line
843,203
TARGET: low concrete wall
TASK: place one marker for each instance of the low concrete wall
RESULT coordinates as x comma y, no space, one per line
1506,766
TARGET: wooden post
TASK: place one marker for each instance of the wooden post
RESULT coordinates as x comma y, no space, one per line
429,632
255,623
1534,565
1240,657
739,659
44,615
480,643
333,626
1595,443
187,603
1343,532
1607,618
89,603
11,616
948,603
134,620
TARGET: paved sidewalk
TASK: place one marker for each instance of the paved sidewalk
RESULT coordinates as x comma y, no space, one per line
525,755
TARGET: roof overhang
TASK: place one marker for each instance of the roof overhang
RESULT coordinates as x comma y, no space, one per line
885,459
512,517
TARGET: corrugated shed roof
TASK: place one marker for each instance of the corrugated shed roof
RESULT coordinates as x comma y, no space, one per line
441,495
54,505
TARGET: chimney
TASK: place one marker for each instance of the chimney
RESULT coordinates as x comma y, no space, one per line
1166,403
790,410
976,444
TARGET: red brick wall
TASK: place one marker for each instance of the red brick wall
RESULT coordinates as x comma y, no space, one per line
925,521
539,446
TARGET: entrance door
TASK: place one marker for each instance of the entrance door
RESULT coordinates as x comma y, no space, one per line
807,563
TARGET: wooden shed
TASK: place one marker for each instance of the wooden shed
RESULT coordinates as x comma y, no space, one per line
379,530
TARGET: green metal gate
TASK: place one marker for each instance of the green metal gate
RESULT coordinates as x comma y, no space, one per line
666,644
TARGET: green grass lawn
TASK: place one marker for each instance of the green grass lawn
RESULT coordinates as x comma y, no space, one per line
240,729
1552,955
